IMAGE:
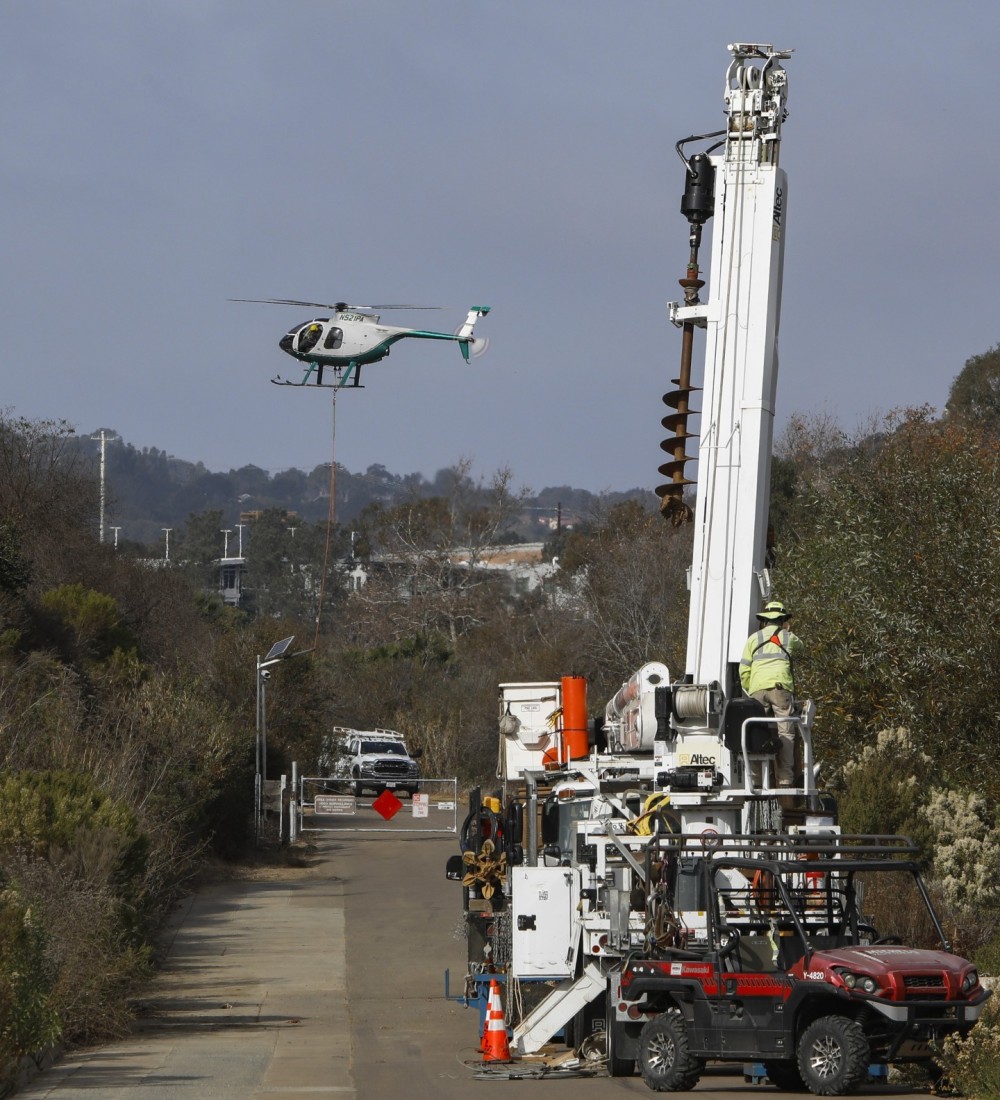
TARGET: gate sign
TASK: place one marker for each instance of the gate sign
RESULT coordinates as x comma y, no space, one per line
421,805
387,804
335,804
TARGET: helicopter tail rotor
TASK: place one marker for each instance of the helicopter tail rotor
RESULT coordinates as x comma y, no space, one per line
471,345
478,346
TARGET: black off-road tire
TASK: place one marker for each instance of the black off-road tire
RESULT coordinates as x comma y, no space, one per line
665,1058
785,1076
833,1056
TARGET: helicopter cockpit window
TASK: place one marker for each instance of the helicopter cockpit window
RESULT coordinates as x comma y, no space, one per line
309,337
334,338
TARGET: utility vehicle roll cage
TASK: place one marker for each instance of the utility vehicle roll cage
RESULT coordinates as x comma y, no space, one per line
799,888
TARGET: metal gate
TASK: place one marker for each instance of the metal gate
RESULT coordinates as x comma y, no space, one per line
332,806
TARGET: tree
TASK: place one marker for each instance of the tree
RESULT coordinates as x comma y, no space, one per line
629,577
200,546
428,556
15,570
47,492
285,560
893,568
975,394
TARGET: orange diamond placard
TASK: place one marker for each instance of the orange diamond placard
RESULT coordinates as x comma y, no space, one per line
387,804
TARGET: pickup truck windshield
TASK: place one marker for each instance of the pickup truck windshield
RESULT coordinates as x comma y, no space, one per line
394,747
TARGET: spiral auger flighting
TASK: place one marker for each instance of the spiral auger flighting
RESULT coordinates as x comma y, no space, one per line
673,506
697,205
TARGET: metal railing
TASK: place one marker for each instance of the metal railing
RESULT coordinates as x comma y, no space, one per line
325,805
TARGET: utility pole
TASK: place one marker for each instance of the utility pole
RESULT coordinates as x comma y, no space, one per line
102,437
227,532
166,531
239,527
116,530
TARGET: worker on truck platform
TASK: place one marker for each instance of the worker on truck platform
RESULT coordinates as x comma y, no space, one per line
766,675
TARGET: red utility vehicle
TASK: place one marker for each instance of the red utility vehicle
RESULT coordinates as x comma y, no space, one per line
764,954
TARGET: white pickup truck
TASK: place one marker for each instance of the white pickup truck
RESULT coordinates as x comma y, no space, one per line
375,760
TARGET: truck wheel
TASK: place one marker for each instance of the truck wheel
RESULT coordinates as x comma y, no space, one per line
833,1056
618,1066
785,1076
665,1057
356,785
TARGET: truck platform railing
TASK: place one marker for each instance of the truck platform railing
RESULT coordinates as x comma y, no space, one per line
765,762
777,847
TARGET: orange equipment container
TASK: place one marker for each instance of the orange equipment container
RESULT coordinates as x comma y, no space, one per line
574,717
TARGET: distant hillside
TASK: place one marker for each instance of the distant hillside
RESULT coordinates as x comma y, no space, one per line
147,490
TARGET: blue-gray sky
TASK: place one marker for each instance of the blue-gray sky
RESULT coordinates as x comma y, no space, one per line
162,156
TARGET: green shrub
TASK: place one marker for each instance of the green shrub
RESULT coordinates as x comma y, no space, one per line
28,1018
75,860
91,618
972,1065
97,957
987,957
58,814
883,790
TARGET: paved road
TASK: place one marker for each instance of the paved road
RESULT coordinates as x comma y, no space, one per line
325,980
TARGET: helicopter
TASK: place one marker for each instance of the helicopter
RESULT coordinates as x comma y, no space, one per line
352,336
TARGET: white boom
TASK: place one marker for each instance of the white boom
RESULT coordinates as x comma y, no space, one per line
741,320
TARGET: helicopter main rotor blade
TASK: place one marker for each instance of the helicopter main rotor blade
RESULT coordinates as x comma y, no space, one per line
339,306
284,302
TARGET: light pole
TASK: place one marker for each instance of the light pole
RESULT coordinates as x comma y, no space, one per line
227,532
166,552
116,530
103,436
278,652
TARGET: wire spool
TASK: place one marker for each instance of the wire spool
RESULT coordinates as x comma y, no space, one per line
691,701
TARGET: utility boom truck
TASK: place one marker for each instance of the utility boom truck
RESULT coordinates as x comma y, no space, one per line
640,883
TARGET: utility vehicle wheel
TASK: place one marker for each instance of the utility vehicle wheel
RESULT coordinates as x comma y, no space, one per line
618,1064
785,1076
665,1057
833,1056
357,788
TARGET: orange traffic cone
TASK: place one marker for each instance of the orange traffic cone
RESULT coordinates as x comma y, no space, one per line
486,1024
495,1045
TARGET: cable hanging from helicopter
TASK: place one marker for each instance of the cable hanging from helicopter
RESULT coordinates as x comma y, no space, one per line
353,336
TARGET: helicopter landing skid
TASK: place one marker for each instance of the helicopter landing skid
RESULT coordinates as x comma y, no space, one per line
277,380
344,380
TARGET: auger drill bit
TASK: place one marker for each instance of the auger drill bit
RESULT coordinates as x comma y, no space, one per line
697,206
